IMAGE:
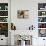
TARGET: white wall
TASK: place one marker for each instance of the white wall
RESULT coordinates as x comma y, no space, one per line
32,6
23,24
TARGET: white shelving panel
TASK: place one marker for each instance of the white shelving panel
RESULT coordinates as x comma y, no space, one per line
3,16
41,22
5,39
42,16
3,10
42,19
41,10
41,28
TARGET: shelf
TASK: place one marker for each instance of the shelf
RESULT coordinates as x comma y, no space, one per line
41,10
3,22
41,22
4,19
3,10
42,16
41,19
41,28
3,16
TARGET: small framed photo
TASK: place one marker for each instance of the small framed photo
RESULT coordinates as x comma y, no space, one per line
23,14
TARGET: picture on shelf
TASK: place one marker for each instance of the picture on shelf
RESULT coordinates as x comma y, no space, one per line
41,25
4,29
3,6
3,26
6,7
23,14
41,13
41,19
3,19
3,13
41,6
42,33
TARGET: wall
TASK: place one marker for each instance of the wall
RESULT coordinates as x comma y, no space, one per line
5,39
23,24
32,6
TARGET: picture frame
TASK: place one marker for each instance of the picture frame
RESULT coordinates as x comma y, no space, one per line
23,14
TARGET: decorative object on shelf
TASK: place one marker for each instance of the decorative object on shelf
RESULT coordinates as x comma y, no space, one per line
24,37
41,6
0,7
13,27
3,6
4,26
42,32
44,40
3,13
41,19
18,42
40,25
45,7
3,19
4,29
23,14
41,13
6,7
31,27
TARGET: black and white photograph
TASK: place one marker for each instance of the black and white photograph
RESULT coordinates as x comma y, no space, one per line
23,14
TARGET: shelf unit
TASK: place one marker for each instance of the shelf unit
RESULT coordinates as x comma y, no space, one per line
4,19
42,19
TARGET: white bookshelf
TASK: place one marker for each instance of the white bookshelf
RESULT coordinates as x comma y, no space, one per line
4,12
41,18
4,17
40,15
8,18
